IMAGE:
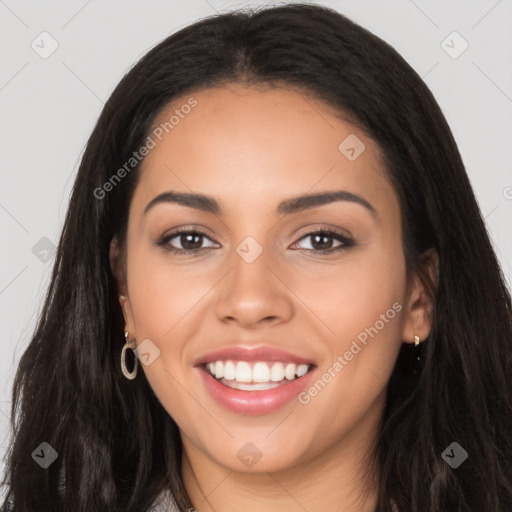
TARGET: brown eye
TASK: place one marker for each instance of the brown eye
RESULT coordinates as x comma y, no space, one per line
191,241
322,241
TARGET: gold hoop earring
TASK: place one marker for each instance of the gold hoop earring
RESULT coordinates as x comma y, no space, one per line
129,375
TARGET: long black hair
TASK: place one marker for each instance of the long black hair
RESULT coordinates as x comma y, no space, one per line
117,446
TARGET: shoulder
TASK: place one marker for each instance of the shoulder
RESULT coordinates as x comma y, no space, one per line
163,503
7,506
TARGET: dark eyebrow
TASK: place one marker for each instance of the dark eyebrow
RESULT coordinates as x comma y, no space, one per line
299,203
288,206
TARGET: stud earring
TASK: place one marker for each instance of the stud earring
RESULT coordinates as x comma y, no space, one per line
417,361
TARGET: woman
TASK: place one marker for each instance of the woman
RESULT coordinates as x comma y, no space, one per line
273,214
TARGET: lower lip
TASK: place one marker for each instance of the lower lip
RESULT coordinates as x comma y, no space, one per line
254,402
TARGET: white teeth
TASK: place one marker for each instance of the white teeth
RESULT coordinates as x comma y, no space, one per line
219,369
260,386
229,371
260,372
290,371
302,369
243,372
277,372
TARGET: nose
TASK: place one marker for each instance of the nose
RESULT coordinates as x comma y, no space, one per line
254,293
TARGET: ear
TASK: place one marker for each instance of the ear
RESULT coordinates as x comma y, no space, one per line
420,305
117,266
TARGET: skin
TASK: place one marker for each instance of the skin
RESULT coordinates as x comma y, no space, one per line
251,149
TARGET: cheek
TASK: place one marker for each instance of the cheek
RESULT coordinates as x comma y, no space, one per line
161,293
367,294
166,299
162,300
367,320
361,301
353,294
376,305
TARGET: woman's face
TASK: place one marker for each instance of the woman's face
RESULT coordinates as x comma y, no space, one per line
257,276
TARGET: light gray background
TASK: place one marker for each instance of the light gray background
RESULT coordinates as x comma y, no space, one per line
49,107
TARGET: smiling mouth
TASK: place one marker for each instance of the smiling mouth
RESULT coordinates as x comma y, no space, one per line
255,376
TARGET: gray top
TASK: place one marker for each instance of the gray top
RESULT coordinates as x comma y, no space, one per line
163,503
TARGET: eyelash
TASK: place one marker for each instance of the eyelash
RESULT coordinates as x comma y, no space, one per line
165,239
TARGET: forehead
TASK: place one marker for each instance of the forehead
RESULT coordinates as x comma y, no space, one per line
262,144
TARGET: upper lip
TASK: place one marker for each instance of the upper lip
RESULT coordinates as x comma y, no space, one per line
244,353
